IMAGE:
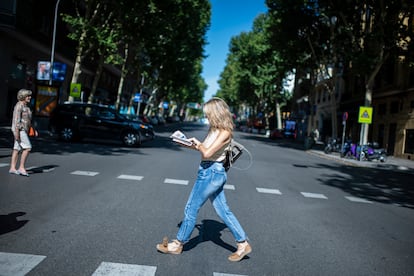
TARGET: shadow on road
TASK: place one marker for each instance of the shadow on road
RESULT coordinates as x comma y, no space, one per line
208,230
10,223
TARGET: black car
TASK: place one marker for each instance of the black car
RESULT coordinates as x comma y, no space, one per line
72,121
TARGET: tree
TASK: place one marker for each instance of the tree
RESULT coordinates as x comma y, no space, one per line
254,71
92,17
141,37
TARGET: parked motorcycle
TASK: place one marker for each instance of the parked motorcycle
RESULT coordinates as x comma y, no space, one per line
367,152
373,152
332,146
349,149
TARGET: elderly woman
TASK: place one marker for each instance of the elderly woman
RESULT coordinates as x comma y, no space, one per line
22,120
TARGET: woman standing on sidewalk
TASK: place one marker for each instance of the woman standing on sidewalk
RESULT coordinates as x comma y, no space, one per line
210,181
22,121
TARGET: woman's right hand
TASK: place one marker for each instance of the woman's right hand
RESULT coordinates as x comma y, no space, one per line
196,143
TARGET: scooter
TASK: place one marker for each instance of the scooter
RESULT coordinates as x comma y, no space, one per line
373,152
332,146
348,149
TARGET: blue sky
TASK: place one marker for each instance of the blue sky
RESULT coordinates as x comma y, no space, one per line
228,18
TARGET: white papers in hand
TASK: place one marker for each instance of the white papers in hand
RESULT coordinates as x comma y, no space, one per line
180,138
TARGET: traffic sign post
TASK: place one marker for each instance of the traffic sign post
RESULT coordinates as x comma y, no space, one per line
365,115
365,118
344,118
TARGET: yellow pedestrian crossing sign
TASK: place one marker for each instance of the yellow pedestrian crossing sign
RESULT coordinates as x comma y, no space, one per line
365,115
75,90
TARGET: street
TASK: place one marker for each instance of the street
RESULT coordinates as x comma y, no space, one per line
95,208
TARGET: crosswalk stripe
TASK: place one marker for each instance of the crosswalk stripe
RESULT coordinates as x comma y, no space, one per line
229,187
115,269
130,177
4,164
313,195
18,264
357,199
268,191
86,173
176,181
226,274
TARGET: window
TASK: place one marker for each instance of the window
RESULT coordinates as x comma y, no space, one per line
382,109
394,107
409,141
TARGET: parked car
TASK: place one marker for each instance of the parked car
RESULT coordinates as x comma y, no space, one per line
277,134
71,121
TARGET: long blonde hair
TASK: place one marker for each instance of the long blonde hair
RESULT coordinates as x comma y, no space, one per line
218,114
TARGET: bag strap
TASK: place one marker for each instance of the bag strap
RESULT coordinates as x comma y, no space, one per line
242,148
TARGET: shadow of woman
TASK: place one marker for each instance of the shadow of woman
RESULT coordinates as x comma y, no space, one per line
9,222
208,230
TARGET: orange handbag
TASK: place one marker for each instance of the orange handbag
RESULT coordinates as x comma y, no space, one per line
32,132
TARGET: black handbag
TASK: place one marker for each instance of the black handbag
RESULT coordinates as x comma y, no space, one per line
233,152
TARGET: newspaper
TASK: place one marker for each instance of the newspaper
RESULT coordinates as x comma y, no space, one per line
180,138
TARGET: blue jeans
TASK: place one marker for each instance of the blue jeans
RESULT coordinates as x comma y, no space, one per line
209,185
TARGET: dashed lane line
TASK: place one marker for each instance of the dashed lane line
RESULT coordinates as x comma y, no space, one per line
14,264
130,177
225,274
18,264
358,199
268,191
313,195
175,181
229,187
85,173
110,269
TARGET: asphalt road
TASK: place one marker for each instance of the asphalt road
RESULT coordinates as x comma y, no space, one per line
97,208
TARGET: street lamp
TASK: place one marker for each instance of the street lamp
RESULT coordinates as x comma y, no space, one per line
52,54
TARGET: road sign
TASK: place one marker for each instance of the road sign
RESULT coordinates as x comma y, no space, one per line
75,90
365,115
137,97
345,116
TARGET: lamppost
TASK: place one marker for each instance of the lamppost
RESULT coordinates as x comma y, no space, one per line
52,54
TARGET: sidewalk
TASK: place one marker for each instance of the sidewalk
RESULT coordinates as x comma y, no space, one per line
392,163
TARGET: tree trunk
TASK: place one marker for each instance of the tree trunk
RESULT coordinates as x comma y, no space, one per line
77,69
368,95
96,78
278,115
121,80
333,110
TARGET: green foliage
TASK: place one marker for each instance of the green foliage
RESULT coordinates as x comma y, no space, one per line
165,41
254,72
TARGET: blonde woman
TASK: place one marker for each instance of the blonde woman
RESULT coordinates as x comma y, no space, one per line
21,122
210,181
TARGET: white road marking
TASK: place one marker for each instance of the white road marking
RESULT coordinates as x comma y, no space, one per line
130,177
312,195
86,173
268,191
18,264
225,274
118,269
229,187
4,165
357,199
176,181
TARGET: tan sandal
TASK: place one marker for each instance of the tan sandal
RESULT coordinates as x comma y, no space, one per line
174,247
243,249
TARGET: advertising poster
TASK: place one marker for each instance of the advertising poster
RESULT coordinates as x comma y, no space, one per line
46,100
43,70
